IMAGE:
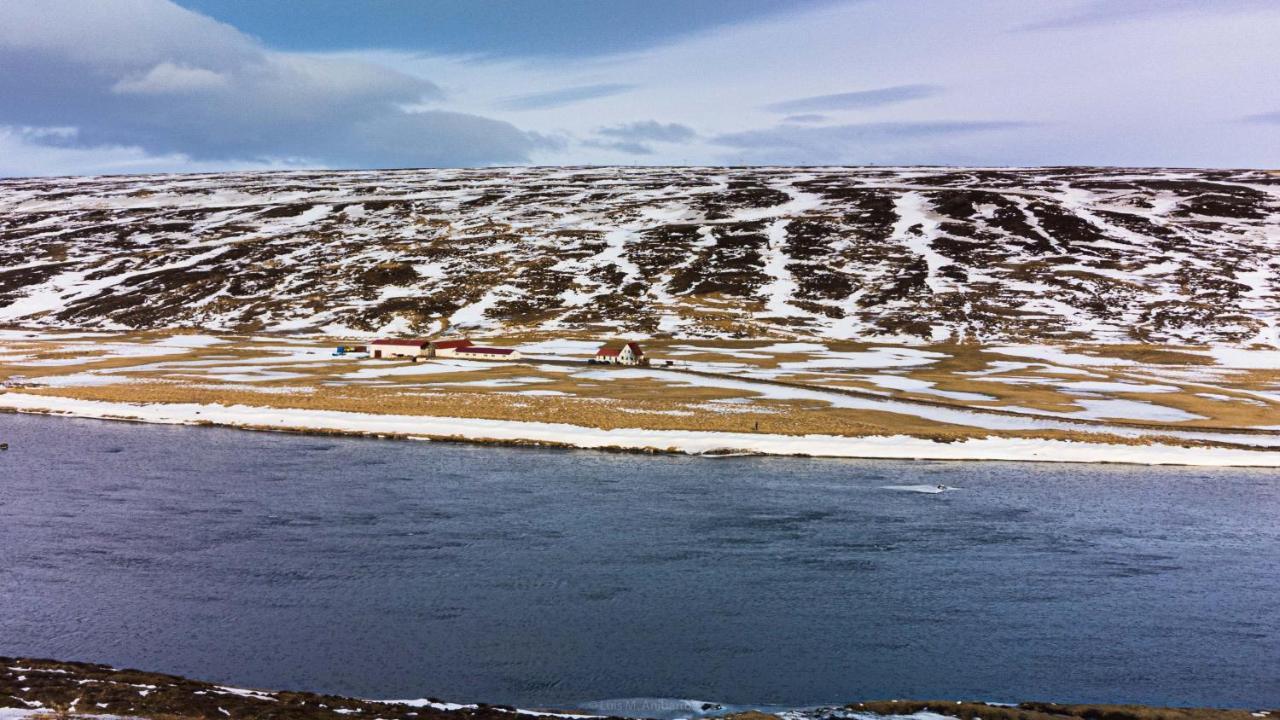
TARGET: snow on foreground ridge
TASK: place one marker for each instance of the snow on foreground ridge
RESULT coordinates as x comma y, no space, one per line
687,441
930,254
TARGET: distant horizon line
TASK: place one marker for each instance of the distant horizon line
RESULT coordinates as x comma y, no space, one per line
282,171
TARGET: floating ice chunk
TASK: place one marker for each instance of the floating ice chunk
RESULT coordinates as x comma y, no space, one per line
925,489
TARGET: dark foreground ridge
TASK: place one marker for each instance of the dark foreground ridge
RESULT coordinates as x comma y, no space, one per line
72,689
54,689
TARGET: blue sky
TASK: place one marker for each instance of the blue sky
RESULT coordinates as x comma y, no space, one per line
118,86
493,28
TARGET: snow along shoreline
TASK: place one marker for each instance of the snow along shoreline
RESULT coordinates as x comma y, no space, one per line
425,427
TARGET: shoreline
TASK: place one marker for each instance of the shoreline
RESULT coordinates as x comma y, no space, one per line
686,442
43,689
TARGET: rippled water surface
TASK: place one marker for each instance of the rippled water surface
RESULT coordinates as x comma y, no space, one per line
401,569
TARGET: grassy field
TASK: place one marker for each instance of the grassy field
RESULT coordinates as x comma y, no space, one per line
730,386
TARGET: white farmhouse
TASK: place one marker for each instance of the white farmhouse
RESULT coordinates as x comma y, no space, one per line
629,354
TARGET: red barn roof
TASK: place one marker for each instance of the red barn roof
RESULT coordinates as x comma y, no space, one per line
401,341
606,351
451,344
485,350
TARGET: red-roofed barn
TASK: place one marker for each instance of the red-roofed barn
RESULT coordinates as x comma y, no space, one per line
449,348
415,348
475,352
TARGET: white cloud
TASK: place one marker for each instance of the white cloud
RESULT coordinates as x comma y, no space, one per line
148,76
899,142
1270,117
1135,85
856,99
122,36
1101,12
167,78
1158,88
29,152
650,130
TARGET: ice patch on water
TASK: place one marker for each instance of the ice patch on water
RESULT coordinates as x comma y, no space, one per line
928,489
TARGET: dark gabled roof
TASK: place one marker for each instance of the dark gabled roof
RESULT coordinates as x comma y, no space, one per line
486,350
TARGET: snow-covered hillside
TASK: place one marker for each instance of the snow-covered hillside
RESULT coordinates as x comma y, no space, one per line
1098,254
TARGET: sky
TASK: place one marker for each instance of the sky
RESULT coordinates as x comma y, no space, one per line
129,86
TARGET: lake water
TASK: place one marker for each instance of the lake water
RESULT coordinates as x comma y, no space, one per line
393,569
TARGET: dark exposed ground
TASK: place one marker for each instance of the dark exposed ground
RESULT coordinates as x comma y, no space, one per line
988,255
69,689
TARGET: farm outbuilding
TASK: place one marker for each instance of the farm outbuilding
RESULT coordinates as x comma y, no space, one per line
460,348
629,354
449,348
475,352
416,348
395,347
